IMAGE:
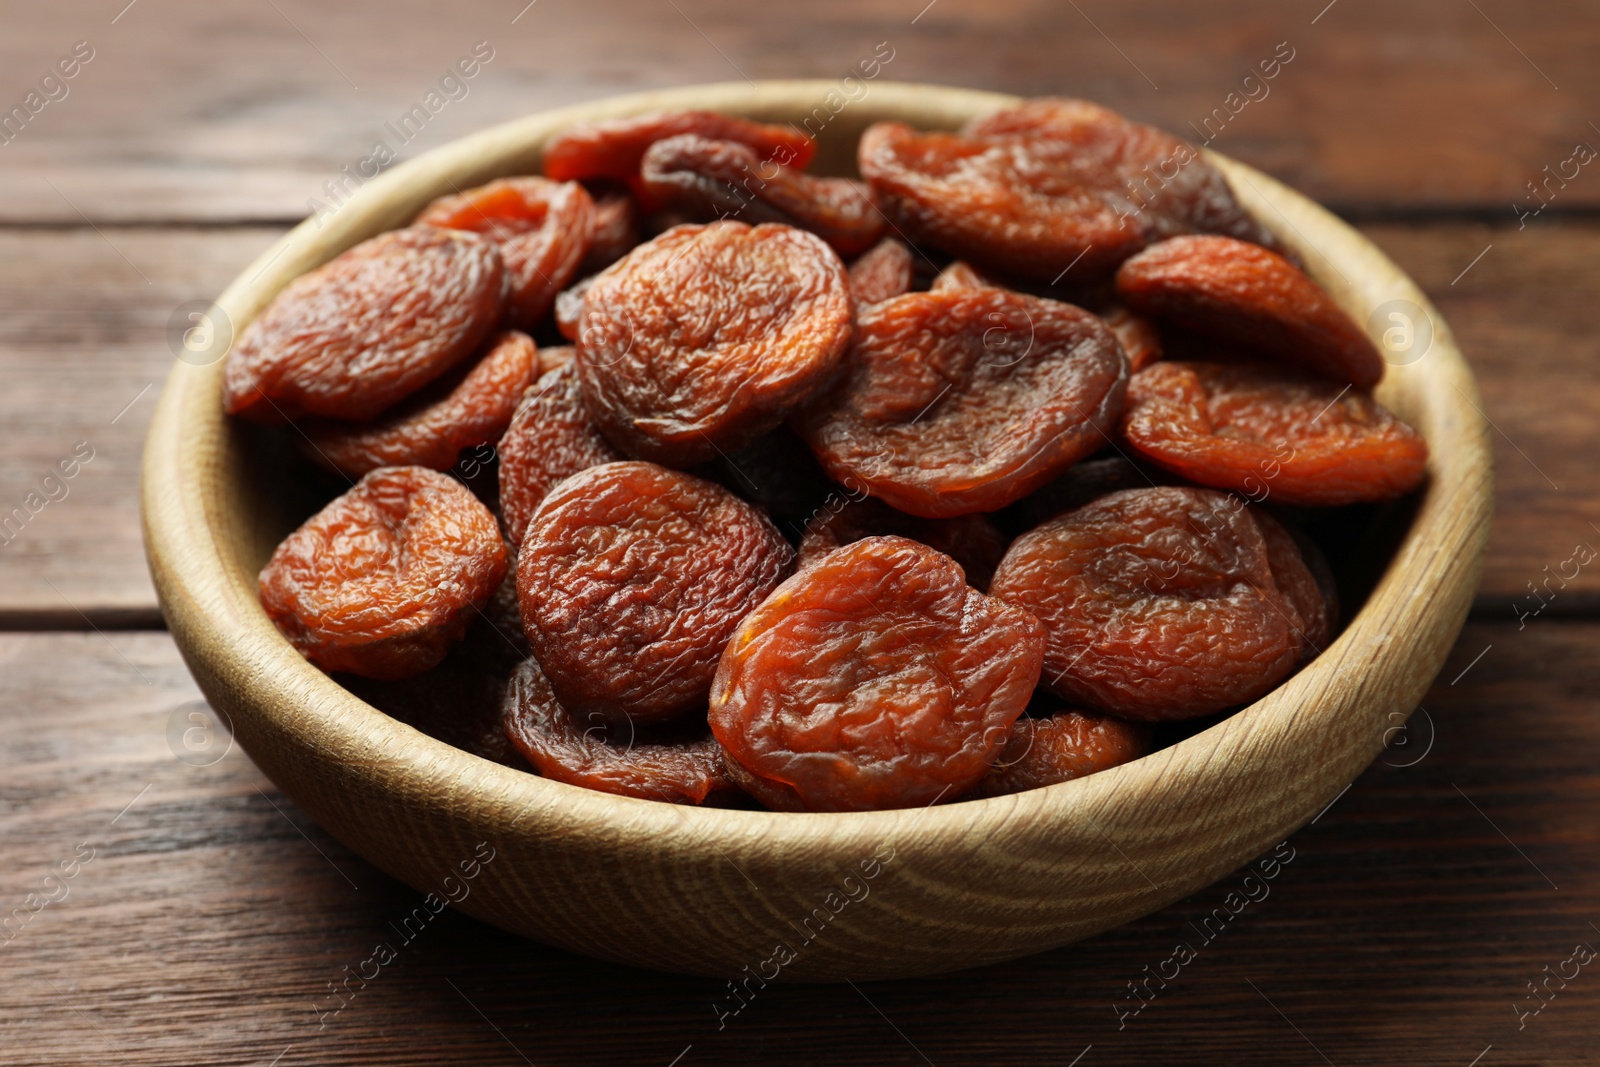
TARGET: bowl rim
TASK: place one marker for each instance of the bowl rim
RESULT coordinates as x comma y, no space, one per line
1413,614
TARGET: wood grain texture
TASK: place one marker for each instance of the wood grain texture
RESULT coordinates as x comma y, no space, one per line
193,110
708,891
208,924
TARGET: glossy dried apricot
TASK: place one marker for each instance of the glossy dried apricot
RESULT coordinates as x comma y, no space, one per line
594,754
1139,337
971,540
631,579
368,328
469,406
707,337
385,579
1253,298
1159,604
883,271
1272,433
875,678
542,229
613,148
551,437
1067,745
708,180
967,399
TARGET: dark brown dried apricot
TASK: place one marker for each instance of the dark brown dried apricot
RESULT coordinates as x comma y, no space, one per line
1159,604
1251,297
1139,337
368,328
1272,433
709,336
597,755
385,579
631,579
614,233
709,180
1067,745
876,678
777,472
885,270
551,437
971,540
967,399
542,229
1302,575
1082,482
613,148
469,406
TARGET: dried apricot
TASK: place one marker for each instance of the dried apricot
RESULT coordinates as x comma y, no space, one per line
613,148
1269,432
569,307
959,274
1139,337
1159,604
1067,745
542,229
709,336
1047,188
614,233
884,270
385,579
1083,482
591,753
551,437
708,180
875,678
368,328
554,357
967,399
631,579
971,540
1303,576
469,406
1251,297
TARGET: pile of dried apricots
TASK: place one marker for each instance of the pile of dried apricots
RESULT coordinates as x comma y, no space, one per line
820,493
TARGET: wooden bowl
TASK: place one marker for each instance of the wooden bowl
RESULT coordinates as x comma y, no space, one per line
815,897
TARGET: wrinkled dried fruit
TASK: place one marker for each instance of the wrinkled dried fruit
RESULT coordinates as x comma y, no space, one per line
1139,337
367,329
875,678
614,233
709,180
708,336
1304,578
613,149
554,357
542,229
1272,433
467,407
883,271
1046,189
1067,745
631,579
959,274
593,754
569,307
1159,604
1251,297
967,399
385,579
1083,482
971,540
551,438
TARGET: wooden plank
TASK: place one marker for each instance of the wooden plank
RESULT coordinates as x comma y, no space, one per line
212,916
190,110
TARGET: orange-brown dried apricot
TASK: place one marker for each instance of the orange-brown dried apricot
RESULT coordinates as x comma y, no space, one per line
875,678
1139,337
1253,298
551,437
1272,433
597,755
385,579
631,579
613,148
368,328
959,274
1069,744
542,229
971,540
967,399
709,336
1302,574
468,406
569,307
885,270
614,233
708,180
1090,480
1159,604
554,357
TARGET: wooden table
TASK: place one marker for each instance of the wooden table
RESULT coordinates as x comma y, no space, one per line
205,918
